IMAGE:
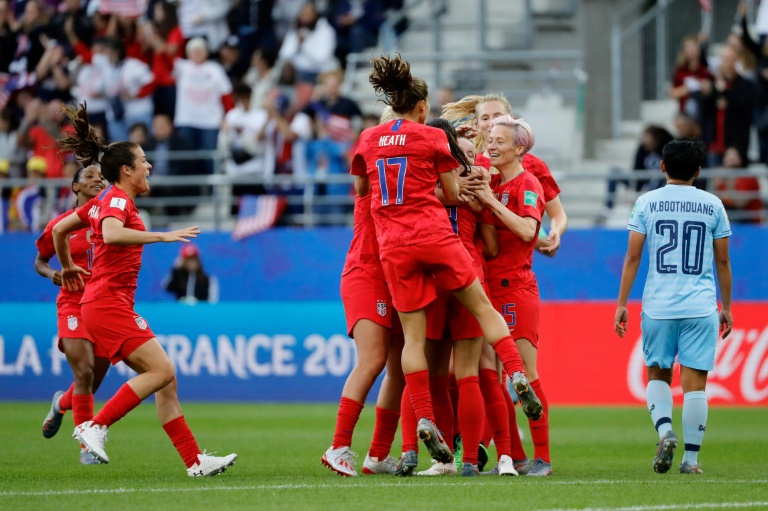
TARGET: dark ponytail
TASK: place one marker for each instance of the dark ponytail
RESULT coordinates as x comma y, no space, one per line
89,147
392,78
453,144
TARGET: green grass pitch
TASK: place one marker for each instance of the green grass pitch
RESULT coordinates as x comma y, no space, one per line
601,457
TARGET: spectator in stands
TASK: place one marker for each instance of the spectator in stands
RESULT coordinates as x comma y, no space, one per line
647,158
188,281
95,78
309,46
9,150
691,78
262,76
740,195
164,141
132,41
336,120
243,139
206,19
28,48
252,22
686,126
232,59
761,77
8,27
357,24
729,106
138,134
130,95
42,125
74,13
203,95
284,16
52,73
164,37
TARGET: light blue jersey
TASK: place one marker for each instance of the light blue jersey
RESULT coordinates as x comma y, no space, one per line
680,224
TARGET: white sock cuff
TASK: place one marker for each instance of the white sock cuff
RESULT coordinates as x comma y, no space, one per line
656,383
697,394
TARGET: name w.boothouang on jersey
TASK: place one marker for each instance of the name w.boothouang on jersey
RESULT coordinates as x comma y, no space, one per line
674,206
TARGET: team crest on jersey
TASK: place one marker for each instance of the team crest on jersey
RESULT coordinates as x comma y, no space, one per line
504,199
140,322
72,323
381,308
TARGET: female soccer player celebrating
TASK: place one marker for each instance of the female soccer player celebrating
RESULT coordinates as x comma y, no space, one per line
515,199
88,363
118,236
399,162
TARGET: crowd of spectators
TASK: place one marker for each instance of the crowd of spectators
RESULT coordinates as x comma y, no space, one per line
258,79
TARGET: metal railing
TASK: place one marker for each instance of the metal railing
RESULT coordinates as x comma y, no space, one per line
211,207
644,45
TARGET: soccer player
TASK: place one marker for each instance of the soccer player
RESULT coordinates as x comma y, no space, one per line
89,364
515,201
686,229
372,322
119,236
399,163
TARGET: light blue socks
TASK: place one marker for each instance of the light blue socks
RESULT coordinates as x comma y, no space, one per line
695,411
658,395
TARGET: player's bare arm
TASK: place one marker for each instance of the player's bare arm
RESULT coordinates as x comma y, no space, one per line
557,226
115,233
628,275
523,227
449,186
724,279
70,273
43,268
362,186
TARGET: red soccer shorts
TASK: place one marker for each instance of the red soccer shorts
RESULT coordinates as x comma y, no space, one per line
366,297
520,309
115,328
437,314
462,324
409,270
71,326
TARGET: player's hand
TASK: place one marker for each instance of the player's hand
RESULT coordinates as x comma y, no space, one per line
554,244
56,278
72,278
726,323
182,235
485,194
620,320
466,131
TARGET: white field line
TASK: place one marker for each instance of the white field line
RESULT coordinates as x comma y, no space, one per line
413,483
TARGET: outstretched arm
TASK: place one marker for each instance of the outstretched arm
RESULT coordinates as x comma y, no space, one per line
115,233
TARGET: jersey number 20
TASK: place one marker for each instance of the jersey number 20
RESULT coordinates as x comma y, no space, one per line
401,162
670,228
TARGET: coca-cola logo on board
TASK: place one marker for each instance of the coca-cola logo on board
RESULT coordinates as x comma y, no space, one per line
740,374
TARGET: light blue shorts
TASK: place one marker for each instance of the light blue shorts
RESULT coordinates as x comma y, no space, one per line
692,340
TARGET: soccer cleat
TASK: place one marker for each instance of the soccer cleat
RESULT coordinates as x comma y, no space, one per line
482,457
457,447
52,421
93,437
433,439
522,466
407,464
506,466
666,451
493,472
687,468
208,465
469,470
540,468
340,461
531,405
439,469
372,466
87,458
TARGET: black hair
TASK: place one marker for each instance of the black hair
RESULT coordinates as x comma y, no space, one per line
392,78
268,55
453,144
660,136
76,179
242,90
683,157
89,147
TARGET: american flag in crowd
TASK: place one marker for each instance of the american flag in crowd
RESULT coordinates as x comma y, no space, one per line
11,83
257,213
706,5
128,8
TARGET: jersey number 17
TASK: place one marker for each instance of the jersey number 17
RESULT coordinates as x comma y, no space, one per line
401,163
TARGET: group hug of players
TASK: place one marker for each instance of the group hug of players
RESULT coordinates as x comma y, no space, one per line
438,286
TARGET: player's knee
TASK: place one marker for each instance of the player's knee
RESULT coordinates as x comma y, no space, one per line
165,375
83,373
372,366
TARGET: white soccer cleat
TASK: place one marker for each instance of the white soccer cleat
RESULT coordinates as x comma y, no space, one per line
87,458
372,466
208,465
439,469
93,437
506,466
340,461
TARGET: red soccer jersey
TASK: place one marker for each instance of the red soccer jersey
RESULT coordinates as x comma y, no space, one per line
403,160
364,249
535,166
464,223
523,195
115,268
68,302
